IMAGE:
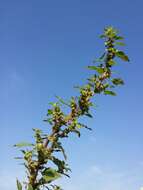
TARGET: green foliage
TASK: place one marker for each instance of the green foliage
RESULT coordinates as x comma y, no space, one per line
117,81
19,186
108,92
23,144
120,43
30,187
98,69
122,55
49,175
42,163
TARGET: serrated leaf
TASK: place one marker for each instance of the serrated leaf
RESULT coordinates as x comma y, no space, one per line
19,186
122,55
108,92
23,144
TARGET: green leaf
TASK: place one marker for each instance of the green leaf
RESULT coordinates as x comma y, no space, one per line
74,130
50,174
59,145
106,85
108,92
102,56
62,166
88,115
50,112
64,154
59,163
85,126
49,120
23,144
30,187
53,104
119,43
62,101
78,126
100,59
118,38
117,81
111,62
102,36
19,186
98,69
122,55
18,158
38,131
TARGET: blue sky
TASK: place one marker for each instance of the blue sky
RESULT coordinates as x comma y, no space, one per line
45,47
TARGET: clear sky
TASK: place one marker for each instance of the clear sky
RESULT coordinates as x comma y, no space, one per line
45,47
